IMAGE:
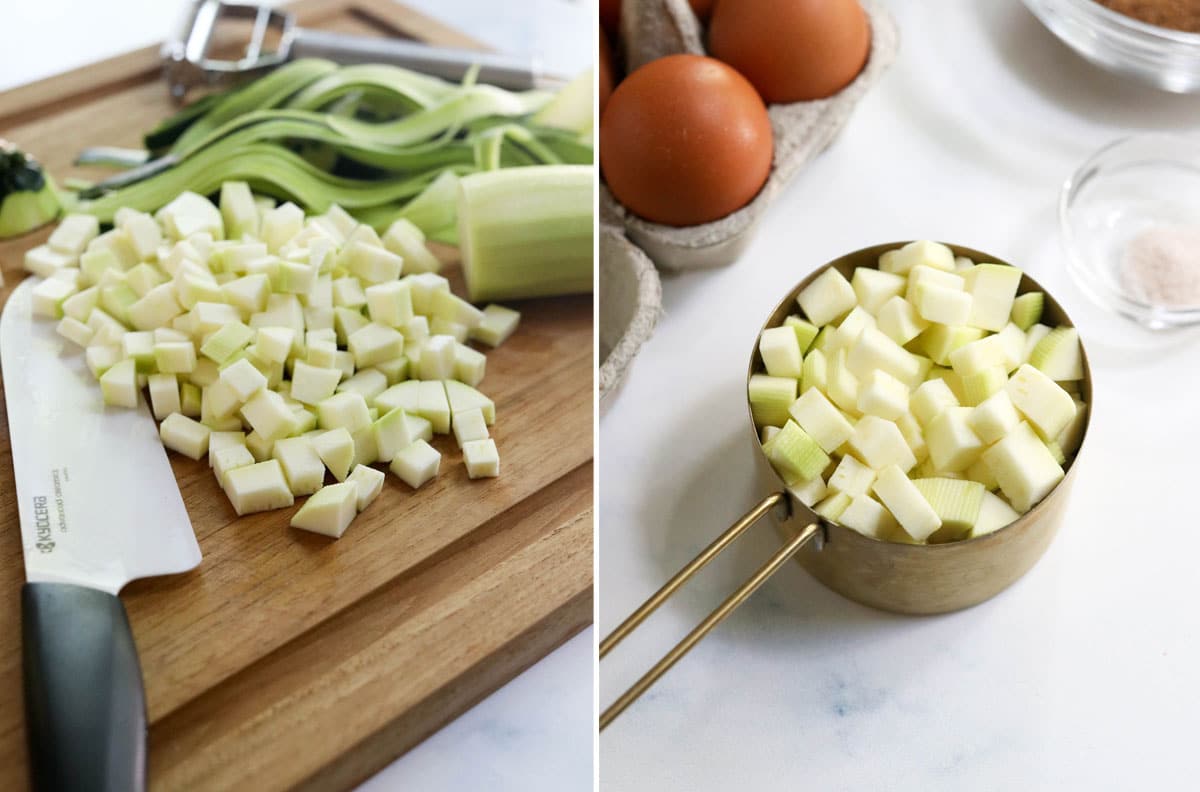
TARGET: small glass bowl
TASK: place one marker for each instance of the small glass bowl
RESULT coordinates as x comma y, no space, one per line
1168,59
1128,187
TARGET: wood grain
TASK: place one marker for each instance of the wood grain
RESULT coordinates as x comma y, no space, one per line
291,661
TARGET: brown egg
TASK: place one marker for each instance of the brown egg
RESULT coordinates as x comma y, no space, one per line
685,140
605,77
702,8
792,50
610,16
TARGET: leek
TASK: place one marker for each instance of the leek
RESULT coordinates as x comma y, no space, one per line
526,232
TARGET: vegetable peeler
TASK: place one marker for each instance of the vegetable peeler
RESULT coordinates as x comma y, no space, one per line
190,61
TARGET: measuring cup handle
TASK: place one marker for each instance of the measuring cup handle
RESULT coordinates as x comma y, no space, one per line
717,616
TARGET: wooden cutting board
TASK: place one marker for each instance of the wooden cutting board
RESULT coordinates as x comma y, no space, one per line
288,660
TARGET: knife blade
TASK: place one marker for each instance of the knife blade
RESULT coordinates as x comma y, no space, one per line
99,507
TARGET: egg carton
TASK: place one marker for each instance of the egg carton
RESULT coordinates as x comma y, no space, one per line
630,306
651,29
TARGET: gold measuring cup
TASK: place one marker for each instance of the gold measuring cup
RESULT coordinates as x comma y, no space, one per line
902,578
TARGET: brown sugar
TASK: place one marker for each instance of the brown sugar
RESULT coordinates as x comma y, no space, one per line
1175,14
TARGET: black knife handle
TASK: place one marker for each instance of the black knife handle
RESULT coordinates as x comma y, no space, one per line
85,710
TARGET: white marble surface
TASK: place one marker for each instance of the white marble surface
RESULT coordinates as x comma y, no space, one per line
536,733
1086,673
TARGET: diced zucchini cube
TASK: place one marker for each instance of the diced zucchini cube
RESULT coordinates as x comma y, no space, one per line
780,352
368,483
302,466
770,398
993,288
258,487
481,458
416,464
816,415
1059,355
809,492
470,365
313,384
795,455
993,418
469,425
1048,408
226,342
392,434
1012,341
405,239
1033,337
369,382
906,503
1027,309
878,442
851,477
939,341
164,395
832,506
883,395
376,343
280,224
452,308
983,384
73,234
994,514
814,373
1024,467
942,304
75,331
828,297
228,458
119,386
843,385
437,359
874,350
957,503
914,435
899,320
433,405
953,445
269,415
916,254
49,295
464,397
243,378
390,303
190,401
865,515
980,472
873,288
920,276
336,449
848,332
371,264
978,355
499,323
182,434
347,410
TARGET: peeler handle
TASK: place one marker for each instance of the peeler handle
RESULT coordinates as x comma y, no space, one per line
717,616
505,71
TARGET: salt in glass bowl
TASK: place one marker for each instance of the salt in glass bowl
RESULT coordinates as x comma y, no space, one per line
1139,184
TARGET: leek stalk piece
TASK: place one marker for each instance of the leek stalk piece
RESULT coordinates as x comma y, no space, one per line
526,232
